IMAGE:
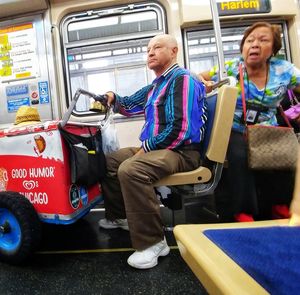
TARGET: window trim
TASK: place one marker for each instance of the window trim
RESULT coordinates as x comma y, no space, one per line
233,24
105,12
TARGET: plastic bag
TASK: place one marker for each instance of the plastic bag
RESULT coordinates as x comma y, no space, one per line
110,142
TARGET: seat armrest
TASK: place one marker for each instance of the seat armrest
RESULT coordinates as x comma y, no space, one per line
199,175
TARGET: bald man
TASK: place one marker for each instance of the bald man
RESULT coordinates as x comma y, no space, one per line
175,113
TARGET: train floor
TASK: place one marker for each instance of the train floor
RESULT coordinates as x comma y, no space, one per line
83,259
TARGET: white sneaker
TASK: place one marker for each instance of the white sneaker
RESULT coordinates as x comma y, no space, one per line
148,257
118,223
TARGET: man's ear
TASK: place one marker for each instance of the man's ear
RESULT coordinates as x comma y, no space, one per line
175,50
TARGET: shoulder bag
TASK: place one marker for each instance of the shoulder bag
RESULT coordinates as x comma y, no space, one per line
270,147
294,110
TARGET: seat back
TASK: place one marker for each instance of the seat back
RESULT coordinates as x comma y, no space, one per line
221,108
222,123
211,109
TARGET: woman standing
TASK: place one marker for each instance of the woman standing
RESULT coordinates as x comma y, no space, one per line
257,194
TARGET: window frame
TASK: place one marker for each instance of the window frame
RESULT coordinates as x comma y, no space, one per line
228,25
101,13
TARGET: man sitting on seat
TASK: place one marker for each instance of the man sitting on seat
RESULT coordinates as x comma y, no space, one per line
175,115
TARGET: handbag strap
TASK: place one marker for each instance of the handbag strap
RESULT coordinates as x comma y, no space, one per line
286,120
292,97
241,74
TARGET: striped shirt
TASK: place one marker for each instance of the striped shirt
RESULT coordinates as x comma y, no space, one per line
174,108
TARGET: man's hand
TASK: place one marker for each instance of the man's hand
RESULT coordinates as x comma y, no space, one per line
110,98
106,99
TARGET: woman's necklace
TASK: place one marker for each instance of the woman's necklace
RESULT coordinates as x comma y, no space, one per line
266,82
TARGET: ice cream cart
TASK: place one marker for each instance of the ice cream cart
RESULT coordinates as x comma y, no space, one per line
36,183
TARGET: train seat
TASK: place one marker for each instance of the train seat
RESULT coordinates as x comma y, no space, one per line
203,180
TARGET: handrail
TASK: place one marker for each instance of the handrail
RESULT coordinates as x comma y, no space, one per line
231,81
218,37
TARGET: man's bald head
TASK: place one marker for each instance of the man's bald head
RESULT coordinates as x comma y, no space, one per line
165,38
162,53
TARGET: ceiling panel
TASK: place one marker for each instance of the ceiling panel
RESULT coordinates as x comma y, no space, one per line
10,8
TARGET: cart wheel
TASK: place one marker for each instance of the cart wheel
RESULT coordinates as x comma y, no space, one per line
20,228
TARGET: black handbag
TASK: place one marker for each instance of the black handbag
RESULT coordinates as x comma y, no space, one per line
86,157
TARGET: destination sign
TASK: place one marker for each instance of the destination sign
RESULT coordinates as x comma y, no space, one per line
243,7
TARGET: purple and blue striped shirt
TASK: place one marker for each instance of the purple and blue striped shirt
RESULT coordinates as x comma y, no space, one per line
174,108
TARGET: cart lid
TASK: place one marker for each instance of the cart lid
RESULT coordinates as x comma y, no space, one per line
37,127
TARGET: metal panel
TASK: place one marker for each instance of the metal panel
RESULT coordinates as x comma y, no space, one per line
18,7
24,76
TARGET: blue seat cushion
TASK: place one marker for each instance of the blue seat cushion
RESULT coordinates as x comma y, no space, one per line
270,255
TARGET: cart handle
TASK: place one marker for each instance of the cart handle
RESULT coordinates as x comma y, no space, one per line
70,109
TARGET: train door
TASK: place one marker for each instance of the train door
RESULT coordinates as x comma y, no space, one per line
26,65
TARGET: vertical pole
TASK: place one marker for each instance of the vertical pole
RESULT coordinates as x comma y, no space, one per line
218,37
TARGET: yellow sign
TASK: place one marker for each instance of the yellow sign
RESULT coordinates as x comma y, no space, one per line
18,57
232,5
243,7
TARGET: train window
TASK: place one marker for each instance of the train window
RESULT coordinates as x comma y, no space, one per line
200,45
106,49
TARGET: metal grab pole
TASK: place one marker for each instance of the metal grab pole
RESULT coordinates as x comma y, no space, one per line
218,37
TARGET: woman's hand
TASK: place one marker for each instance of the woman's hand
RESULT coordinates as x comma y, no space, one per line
208,84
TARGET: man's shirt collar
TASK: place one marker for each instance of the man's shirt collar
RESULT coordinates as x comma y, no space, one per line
166,72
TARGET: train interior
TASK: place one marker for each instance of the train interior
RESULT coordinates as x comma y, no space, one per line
51,48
